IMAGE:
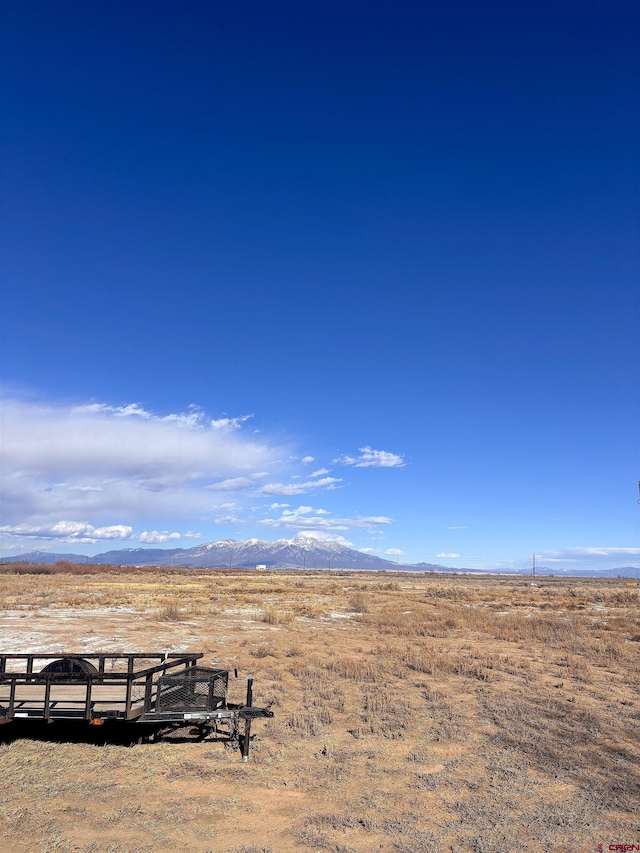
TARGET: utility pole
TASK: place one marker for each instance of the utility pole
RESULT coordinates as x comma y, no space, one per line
304,562
534,565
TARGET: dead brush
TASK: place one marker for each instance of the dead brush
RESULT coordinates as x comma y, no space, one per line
307,667
389,586
264,650
275,616
378,702
307,725
385,714
439,661
358,602
169,612
419,622
309,610
355,669
471,665
397,623
420,660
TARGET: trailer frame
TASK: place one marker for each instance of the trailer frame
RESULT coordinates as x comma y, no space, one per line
172,692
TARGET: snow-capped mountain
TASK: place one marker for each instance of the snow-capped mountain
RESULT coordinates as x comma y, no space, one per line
296,553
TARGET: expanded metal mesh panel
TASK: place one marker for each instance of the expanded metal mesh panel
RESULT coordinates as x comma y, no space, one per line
195,688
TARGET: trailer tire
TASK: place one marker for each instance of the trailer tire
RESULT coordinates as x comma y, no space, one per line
69,666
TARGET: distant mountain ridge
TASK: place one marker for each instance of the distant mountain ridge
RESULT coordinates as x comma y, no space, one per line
282,554
297,553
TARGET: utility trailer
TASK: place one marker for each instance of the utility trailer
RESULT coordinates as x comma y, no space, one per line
159,692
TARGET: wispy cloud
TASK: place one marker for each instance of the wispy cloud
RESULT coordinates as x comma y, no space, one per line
232,484
229,423
370,458
449,556
323,536
229,518
321,519
299,488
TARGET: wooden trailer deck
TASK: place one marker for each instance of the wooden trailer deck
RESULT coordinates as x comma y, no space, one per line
69,700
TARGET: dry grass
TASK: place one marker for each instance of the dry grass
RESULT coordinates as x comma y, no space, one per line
415,714
170,612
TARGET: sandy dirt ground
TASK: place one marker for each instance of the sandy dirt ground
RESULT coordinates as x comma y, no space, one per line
412,714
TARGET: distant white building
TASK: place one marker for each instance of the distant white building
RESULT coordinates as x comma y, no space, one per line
261,567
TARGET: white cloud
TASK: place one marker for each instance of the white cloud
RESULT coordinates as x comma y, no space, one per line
130,410
321,519
95,461
450,556
370,458
227,519
302,510
45,441
456,527
229,423
232,484
67,531
322,536
156,537
73,474
299,488
394,552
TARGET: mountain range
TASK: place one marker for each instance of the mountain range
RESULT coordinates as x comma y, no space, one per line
298,553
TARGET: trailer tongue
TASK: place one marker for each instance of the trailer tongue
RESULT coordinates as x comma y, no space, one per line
158,691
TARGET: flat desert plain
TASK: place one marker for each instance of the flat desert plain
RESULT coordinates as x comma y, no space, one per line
413,714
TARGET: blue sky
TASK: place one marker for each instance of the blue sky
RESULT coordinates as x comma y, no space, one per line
365,271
